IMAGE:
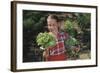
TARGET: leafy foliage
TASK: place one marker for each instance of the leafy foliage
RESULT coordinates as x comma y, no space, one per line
46,40
69,27
72,42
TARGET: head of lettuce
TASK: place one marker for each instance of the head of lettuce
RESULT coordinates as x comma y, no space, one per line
45,40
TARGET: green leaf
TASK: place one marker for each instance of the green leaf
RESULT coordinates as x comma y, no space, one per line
45,39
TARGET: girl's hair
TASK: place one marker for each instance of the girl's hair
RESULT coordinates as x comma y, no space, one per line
58,18
53,16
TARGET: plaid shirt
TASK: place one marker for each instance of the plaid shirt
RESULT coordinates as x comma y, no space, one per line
59,48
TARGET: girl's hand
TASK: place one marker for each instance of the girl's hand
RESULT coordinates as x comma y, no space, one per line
77,49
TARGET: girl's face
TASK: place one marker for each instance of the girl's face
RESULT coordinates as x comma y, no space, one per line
52,24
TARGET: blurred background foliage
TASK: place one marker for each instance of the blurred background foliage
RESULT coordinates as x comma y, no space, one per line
77,24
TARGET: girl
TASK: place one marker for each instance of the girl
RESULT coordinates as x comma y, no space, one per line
57,52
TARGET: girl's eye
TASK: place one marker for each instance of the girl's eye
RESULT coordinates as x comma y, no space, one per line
50,25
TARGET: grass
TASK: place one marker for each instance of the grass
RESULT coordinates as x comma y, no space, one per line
85,54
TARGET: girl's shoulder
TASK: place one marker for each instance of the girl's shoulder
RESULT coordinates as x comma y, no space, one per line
63,35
